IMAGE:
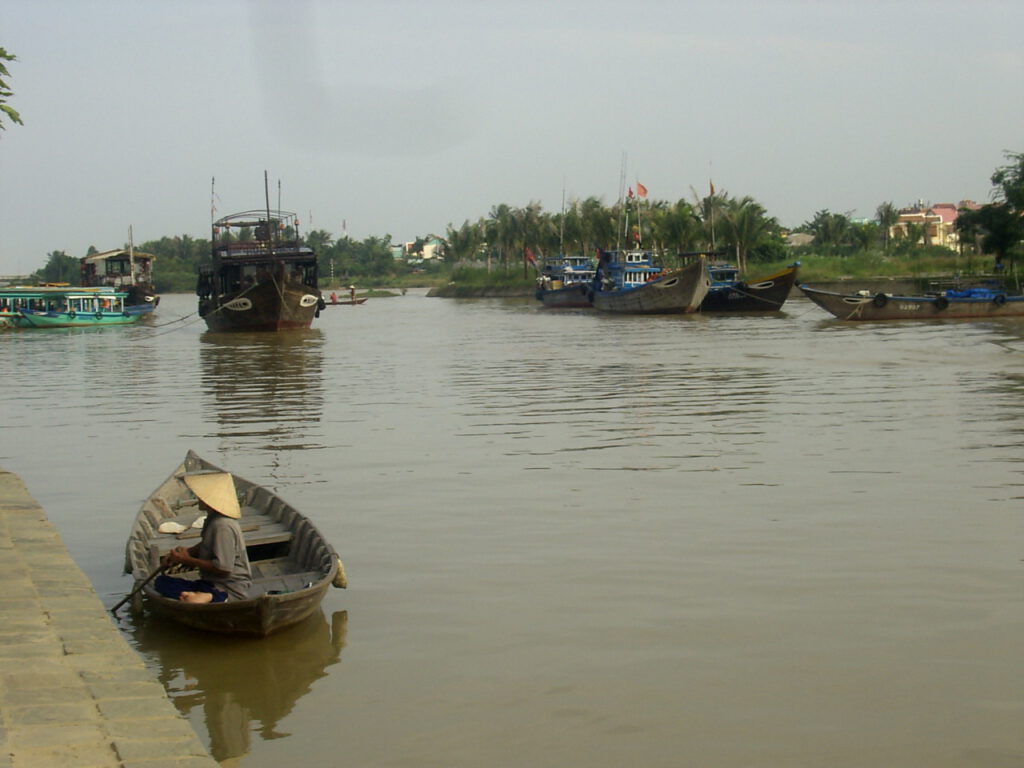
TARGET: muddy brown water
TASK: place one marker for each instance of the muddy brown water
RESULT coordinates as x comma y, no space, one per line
574,539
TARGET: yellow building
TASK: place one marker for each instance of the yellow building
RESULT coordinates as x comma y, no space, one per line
938,221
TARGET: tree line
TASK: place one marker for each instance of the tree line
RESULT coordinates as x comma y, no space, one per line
508,238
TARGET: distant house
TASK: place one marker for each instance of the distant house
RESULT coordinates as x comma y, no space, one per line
796,239
432,247
938,222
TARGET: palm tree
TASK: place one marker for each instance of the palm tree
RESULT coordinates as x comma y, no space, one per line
678,227
5,90
886,215
745,225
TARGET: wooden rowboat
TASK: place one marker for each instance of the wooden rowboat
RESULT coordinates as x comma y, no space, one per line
983,302
292,564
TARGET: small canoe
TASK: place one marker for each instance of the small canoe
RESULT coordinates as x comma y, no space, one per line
292,564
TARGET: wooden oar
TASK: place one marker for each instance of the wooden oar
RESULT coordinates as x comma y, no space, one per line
138,587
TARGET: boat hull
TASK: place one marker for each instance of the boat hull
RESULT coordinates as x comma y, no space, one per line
265,307
677,292
882,306
292,563
766,294
28,319
567,297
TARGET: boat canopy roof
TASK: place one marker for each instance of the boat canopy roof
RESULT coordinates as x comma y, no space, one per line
256,217
116,254
58,290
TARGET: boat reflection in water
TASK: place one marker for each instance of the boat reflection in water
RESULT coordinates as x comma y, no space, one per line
239,687
264,389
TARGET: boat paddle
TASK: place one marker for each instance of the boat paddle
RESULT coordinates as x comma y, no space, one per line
138,587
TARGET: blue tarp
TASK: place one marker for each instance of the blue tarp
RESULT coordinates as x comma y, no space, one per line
972,293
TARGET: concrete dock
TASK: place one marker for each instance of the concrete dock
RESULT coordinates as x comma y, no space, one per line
72,691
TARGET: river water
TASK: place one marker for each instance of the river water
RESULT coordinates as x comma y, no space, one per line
574,539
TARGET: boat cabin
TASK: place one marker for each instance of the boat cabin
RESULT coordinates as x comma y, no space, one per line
628,269
267,249
121,268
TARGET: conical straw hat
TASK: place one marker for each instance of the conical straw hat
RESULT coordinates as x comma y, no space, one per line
216,490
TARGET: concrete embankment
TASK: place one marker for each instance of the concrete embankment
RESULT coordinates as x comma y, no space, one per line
72,691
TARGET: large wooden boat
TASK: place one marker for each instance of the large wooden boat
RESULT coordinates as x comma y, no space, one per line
729,293
264,281
564,282
952,303
123,269
628,282
61,306
292,564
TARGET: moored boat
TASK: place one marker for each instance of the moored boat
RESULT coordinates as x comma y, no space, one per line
123,269
564,282
265,282
989,300
629,282
729,293
60,306
292,564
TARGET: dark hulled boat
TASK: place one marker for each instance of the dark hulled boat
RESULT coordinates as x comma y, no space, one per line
125,270
629,282
564,282
728,293
266,280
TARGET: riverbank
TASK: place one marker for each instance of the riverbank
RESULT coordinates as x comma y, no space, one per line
72,691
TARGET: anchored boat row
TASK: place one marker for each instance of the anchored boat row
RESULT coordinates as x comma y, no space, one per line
631,282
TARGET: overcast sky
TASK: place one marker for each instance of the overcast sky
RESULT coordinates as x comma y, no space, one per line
401,117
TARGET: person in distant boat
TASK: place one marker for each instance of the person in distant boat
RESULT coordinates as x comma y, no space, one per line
220,554
352,293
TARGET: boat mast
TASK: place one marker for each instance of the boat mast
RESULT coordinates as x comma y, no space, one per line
266,194
622,211
131,255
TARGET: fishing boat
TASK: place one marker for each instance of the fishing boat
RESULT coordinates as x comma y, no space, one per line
292,564
349,301
565,282
728,293
986,300
265,280
629,282
63,306
123,269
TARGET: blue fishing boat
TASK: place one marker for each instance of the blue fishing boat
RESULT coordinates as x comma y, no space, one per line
58,306
629,282
564,282
729,293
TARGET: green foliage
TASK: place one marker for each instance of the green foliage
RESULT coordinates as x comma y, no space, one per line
739,227
60,268
5,90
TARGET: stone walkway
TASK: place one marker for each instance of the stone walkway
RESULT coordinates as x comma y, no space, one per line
73,693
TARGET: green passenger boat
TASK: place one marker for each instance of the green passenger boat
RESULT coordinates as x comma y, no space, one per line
65,307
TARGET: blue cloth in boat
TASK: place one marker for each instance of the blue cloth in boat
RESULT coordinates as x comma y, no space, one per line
971,293
172,586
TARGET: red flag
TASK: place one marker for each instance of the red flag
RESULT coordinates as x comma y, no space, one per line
641,189
712,185
630,193
530,258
